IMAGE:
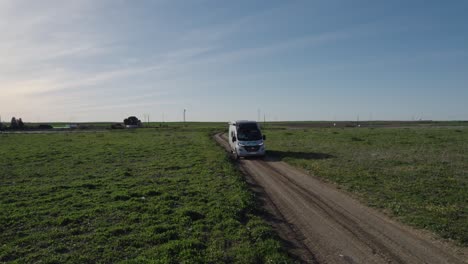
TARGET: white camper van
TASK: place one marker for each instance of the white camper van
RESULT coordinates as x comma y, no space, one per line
245,139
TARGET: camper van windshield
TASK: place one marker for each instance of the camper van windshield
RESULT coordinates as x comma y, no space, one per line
248,132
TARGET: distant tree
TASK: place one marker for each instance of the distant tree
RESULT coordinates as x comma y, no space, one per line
14,123
20,124
132,121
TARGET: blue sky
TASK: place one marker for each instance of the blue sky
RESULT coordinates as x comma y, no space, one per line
221,60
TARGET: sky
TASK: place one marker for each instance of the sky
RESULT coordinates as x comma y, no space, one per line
88,60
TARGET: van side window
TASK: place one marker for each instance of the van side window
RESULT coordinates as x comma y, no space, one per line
232,134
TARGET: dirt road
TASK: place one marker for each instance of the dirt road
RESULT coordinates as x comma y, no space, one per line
324,225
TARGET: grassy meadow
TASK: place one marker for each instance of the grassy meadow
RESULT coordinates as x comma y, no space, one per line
130,196
419,175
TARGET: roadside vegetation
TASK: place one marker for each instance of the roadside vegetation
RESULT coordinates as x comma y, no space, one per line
418,175
131,196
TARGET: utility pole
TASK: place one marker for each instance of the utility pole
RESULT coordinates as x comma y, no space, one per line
146,119
185,110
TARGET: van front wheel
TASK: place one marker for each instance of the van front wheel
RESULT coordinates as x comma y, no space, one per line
235,155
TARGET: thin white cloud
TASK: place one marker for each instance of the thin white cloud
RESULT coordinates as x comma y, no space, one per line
218,32
32,32
52,58
77,83
38,44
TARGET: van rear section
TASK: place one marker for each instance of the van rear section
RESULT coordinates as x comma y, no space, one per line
246,139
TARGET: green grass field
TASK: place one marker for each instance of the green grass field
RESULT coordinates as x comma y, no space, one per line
138,196
419,175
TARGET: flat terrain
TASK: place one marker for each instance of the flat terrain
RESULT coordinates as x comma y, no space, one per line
331,226
374,124
168,194
139,196
418,175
